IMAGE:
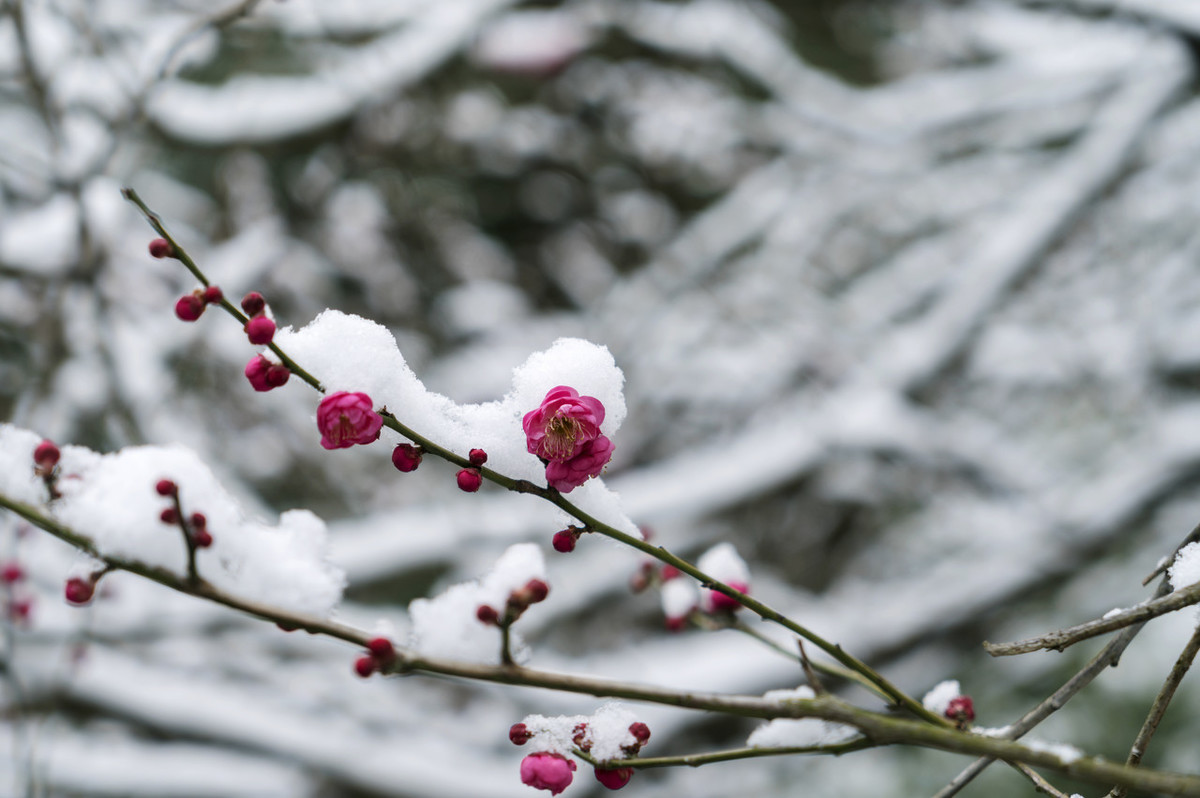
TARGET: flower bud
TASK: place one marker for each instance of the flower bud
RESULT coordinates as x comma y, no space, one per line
487,614
381,649
260,330
564,540
537,590
615,778
477,457
546,771
212,295
160,248
198,520
169,516
253,303
79,591
519,734
165,487
469,480
961,709
406,457
46,455
11,573
202,538
189,307
640,732
365,666
277,375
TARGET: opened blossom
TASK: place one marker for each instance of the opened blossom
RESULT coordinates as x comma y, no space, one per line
346,418
545,771
564,431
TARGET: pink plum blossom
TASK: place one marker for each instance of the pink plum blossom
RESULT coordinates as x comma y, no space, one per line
588,462
545,771
346,418
563,424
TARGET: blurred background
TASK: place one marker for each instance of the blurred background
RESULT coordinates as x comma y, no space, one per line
904,294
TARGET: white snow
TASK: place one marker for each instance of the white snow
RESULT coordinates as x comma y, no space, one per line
939,698
604,733
1185,570
797,732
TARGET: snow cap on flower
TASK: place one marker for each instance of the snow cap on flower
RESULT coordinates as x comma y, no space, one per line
679,598
551,772
346,418
723,563
938,699
605,734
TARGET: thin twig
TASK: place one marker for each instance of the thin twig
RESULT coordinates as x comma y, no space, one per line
1040,784
1159,708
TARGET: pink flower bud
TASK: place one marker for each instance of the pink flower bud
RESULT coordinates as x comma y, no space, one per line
278,375
365,666
961,709
260,330
160,248
169,516
11,573
189,307
79,590
256,373
519,734
469,480
165,487
381,649
487,614
212,295
406,457
345,419
46,455
719,602
253,303
640,732
564,540
614,779
545,771
477,457
537,590
202,538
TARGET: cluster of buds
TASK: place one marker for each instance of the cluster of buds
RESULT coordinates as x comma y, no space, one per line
45,465
17,606
195,526
190,307
470,479
260,328
380,654
534,591
265,375
551,771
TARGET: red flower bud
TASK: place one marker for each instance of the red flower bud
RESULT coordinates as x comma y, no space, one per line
961,709
253,303
277,375
382,649
469,480
477,457
537,590
46,455
11,573
202,538
165,487
564,540
160,248
260,330
79,590
519,734
169,516
640,732
198,521
189,307
212,295
487,614
365,666
406,457
614,779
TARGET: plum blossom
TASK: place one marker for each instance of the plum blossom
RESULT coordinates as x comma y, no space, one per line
545,771
564,431
345,419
